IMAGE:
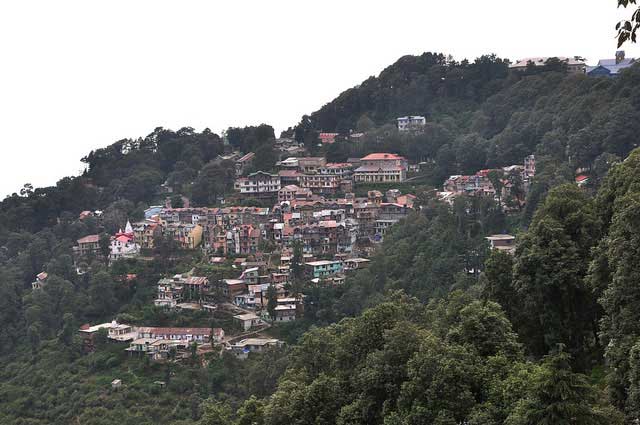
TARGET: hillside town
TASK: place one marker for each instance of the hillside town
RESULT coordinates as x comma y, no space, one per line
307,221
311,229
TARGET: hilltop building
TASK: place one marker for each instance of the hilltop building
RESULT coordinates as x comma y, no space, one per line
575,65
381,168
610,67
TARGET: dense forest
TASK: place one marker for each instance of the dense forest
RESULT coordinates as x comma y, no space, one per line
438,330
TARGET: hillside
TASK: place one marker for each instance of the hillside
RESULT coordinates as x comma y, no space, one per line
481,116
438,329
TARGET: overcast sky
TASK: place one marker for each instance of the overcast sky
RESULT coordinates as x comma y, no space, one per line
79,75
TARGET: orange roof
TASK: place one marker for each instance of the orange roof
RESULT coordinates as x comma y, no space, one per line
381,156
89,239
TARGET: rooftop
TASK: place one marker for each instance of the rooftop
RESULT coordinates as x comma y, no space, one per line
322,263
89,239
381,156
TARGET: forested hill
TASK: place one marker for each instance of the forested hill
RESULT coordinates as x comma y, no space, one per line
414,85
437,330
480,115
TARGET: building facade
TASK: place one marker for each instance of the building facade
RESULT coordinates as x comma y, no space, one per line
381,168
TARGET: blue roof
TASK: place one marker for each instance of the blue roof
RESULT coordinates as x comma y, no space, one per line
609,67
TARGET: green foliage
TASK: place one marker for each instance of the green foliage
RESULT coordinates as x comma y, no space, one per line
558,397
556,305
453,361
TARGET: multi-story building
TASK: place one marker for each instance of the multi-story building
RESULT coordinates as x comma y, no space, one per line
186,335
188,236
575,65
411,123
381,168
241,349
529,167
88,246
145,233
327,138
311,164
123,244
259,184
610,67
502,242
243,239
326,179
243,163
291,192
474,185
172,291
323,268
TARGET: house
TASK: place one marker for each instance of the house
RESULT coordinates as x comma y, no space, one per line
183,335
247,321
242,348
88,246
290,163
381,168
327,138
505,243
610,67
259,184
121,332
152,211
172,291
41,279
89,333
285,313
251,275
145,233
529,167
323,268
188,236
157,349
243,239
289,177
411,123
327,178
352,264
123,244
311,164
243,163
233,287
291,192
575,65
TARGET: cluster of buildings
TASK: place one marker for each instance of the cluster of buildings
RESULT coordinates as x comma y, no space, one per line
577,65
249,291
322,177
480,184
156,342
325,226
163,343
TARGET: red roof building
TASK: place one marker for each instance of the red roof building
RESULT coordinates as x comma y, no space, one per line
327,138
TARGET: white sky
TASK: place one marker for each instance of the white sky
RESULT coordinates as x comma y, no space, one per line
79,75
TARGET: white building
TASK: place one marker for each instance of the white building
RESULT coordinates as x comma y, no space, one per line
411,122
123,244
241,349
258,183
575,65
